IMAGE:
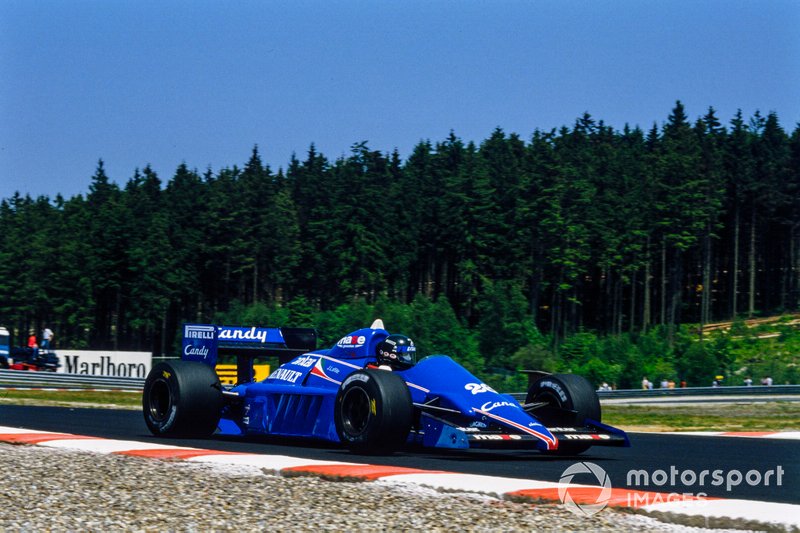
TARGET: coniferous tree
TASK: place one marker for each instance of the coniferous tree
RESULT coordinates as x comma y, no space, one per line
711,137
150,260
190,281
680,205
793,219
106,262
738,174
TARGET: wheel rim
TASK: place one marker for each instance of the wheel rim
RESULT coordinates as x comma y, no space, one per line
546,396
548,415
355,411
160,400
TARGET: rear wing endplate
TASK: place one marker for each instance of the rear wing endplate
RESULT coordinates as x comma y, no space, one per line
206,342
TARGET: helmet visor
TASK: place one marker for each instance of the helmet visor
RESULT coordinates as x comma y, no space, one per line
406,355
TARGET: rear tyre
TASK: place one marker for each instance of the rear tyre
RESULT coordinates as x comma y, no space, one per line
571,400
182,398
373,412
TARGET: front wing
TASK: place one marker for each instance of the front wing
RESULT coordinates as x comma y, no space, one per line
438,433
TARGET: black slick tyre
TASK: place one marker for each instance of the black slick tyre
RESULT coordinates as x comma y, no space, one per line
182,398
373,412
571,400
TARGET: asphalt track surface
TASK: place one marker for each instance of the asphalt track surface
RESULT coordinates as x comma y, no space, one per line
664,458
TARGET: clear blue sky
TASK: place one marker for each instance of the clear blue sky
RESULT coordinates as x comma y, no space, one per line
140,82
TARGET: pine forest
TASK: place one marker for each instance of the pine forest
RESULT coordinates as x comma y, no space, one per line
590,249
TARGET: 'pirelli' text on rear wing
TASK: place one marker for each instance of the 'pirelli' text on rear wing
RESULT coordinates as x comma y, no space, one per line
206,342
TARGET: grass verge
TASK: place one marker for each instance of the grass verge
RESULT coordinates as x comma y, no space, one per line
110,400
762,416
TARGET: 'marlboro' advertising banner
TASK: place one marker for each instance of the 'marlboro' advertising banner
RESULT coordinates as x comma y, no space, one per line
105,363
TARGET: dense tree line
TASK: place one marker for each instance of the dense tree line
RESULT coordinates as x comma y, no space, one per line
578,229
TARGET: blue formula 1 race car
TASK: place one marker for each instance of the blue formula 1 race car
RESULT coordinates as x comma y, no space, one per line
367,392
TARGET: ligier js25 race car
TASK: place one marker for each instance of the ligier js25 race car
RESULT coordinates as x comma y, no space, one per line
367,392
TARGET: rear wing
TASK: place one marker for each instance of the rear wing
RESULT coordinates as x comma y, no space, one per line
206,342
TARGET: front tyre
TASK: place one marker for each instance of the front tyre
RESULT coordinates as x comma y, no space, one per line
373,412
570,400
182,398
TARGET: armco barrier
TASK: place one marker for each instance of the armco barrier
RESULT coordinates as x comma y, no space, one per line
704,393
33,379
710,392
754,390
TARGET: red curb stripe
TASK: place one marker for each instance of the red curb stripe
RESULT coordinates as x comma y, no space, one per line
618,498
749,433
362,472
177,453
36,438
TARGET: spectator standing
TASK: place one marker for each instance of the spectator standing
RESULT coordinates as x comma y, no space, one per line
748,382
47,339
33,346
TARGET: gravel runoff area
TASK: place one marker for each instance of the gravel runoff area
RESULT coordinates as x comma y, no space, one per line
46,489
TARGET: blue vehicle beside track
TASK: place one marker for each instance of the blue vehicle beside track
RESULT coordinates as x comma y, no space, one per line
24,358
367,392
5,347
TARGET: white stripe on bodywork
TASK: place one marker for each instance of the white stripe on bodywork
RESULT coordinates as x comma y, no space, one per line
552,443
